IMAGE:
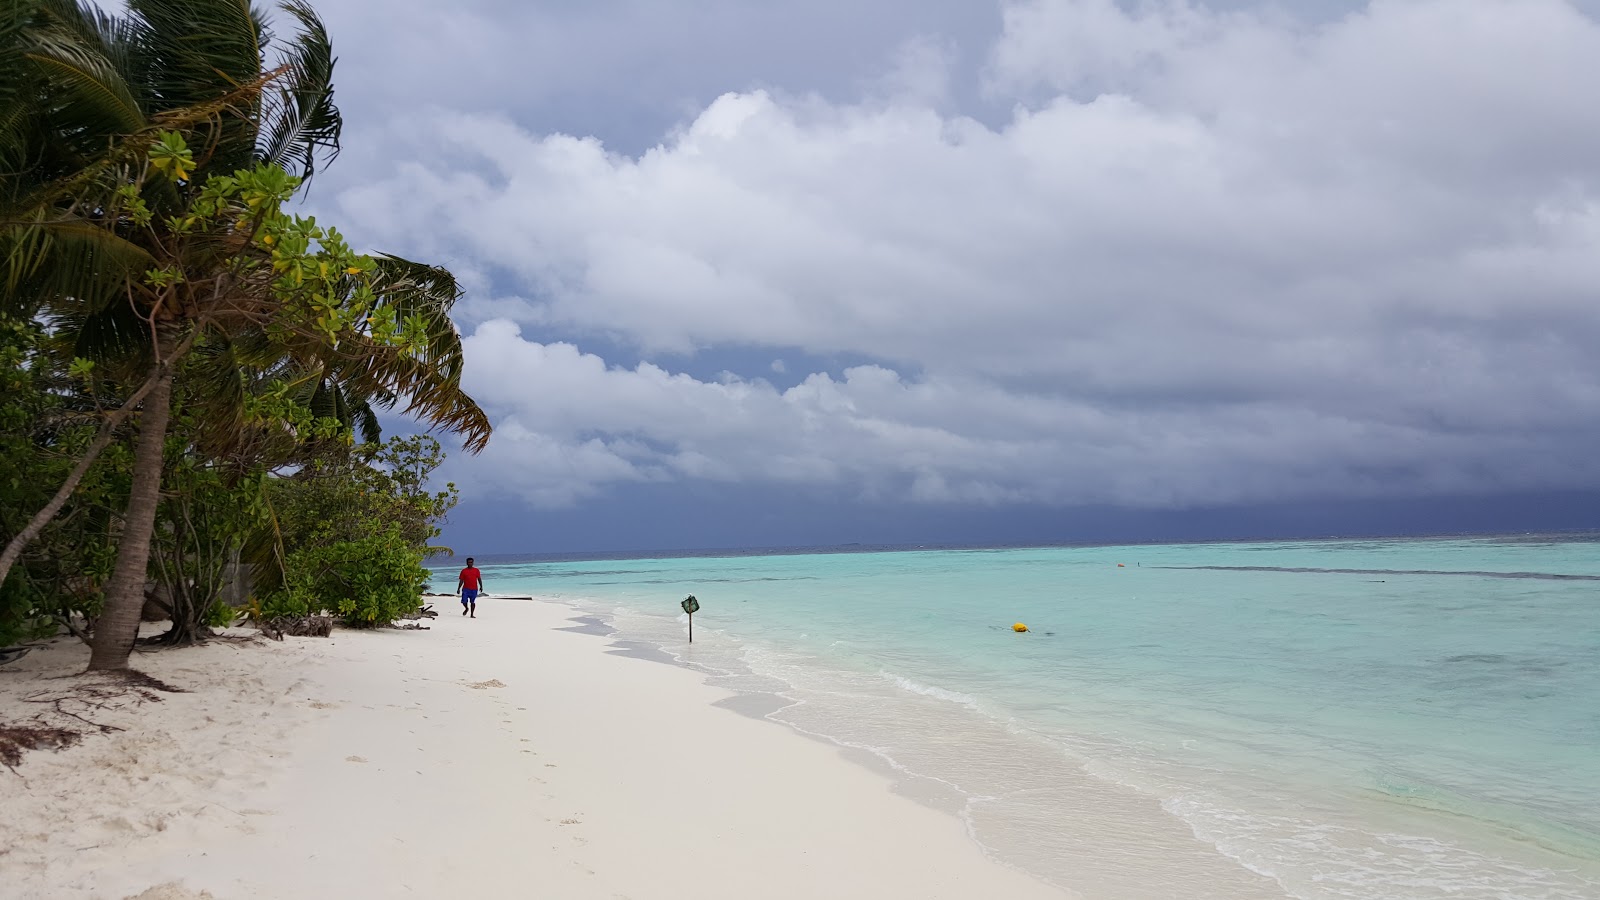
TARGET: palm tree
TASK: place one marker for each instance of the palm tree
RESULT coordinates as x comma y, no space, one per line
82,92
102,241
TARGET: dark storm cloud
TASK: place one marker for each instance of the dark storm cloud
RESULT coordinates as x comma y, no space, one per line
1175,255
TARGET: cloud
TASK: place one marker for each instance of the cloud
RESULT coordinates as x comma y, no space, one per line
626,69
570,425
1208,257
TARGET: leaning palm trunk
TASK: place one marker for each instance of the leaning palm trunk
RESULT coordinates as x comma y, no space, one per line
43,517
108,431
118,625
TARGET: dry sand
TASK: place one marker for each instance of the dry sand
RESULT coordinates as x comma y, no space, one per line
490,757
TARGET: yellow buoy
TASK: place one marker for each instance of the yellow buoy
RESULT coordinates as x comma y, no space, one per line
1019,627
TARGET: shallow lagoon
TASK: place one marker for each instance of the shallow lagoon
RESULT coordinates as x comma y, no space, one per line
1403,718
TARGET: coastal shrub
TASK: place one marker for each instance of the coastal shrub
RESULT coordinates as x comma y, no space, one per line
47,417
220,615
351,530
366,582
338,496
203,524
286,602
19,619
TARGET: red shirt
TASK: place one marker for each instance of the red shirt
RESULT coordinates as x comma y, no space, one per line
471,578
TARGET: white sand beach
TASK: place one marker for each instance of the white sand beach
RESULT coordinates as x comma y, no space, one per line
488,757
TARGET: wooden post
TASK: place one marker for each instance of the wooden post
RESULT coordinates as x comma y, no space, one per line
691,628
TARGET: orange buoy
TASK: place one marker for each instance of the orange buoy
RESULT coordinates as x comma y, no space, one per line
1019,628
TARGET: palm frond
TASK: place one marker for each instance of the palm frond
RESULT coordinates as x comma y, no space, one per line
93,97
219,379
299,119
324,401
365,420
193,51
18,85
16,17
428,293
201,48
429,393
114,333
429,379
69,259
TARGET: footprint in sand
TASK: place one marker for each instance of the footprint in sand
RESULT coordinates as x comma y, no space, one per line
354,759
491,683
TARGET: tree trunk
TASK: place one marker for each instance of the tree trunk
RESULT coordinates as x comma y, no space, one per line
118,625
23,538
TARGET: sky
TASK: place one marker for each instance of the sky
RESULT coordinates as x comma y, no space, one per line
775,273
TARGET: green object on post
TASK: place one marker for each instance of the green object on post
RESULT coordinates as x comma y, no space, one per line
691,606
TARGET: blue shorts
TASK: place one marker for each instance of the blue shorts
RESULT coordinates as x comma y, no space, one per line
469,595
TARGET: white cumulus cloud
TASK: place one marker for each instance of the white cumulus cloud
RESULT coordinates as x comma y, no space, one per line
1207,257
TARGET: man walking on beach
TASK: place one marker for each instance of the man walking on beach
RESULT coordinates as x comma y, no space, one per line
469,583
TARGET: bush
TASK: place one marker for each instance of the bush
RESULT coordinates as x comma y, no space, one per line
19,618
366,582
47,419
220,615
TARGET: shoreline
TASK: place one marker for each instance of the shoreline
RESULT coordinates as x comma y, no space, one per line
1418,737
489,756
1101,838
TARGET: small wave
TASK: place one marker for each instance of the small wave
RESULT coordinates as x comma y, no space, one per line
928,690
1548,834
1474,573
1325,860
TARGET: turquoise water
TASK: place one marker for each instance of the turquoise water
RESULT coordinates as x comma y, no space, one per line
1206,720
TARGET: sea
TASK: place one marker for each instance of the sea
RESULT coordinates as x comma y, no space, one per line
1407,718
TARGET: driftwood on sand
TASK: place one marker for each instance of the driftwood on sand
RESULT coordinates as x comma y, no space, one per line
297,626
